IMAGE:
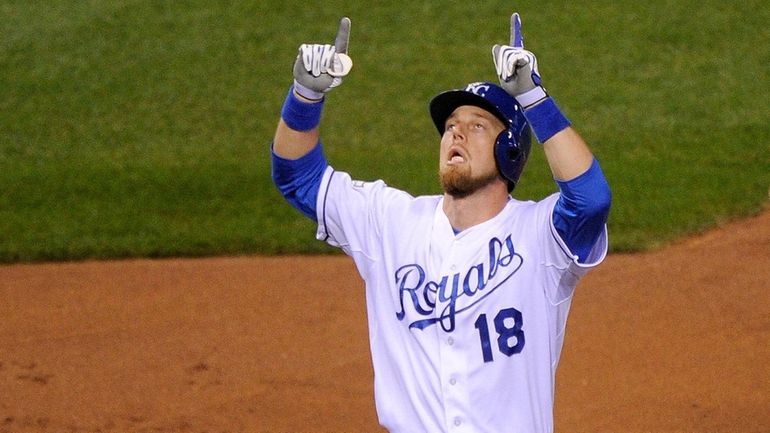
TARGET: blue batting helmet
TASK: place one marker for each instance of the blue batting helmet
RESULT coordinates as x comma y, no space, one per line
512,145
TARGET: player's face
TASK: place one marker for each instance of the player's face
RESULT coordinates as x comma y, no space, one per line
466,159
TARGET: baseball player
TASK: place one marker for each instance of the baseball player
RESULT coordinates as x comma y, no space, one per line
468,291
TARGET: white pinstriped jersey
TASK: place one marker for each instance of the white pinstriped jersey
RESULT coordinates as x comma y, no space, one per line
465,330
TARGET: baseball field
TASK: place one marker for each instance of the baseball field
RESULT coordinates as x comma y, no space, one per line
153,280
669,341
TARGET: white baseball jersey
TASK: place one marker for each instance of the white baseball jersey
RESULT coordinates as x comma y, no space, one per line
465,330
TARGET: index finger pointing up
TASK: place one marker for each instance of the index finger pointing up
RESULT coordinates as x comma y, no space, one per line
343,36
517,40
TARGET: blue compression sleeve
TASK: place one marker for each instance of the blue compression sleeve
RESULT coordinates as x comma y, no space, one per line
299,180
582,210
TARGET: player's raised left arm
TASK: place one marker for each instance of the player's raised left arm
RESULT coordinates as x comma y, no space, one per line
583,207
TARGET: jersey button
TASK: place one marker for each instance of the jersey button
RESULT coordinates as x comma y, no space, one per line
458,422
450,341
453,381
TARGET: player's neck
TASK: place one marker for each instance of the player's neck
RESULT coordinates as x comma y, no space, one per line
474,209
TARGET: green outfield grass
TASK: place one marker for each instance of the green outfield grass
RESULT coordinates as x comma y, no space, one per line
142,128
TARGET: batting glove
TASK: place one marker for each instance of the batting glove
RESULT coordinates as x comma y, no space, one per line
517,68
320,68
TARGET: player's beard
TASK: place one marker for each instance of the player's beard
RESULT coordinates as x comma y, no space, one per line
459,182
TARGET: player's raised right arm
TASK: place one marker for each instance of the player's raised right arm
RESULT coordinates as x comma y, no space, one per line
318,68
298,163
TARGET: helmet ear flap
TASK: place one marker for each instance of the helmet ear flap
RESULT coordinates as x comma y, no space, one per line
510,156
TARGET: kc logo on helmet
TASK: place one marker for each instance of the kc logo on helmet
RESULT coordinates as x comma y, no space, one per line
477,88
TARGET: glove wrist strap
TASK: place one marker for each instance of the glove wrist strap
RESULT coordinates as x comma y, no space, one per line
307,93
531,97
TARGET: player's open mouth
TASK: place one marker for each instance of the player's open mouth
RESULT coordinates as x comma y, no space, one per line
455,156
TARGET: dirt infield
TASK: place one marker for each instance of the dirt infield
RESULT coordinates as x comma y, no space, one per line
676,340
